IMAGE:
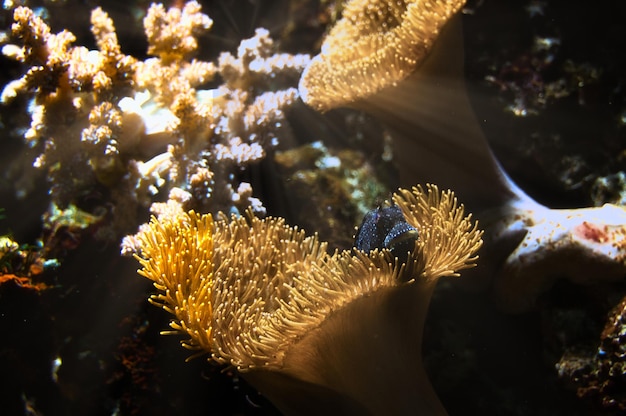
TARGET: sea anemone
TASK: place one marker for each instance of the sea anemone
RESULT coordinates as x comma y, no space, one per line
411,78
402,62
314,331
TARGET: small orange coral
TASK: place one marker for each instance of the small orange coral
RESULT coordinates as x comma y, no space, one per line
25,282
20,264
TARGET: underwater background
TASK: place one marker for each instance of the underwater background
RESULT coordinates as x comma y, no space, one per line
547,82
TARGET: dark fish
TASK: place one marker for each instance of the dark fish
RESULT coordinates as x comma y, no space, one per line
386,227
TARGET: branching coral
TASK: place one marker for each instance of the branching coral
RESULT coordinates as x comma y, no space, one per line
438,139
125,129
312,330
74,121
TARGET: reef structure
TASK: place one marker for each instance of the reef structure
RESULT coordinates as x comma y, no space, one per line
135,132
313,331
601,377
